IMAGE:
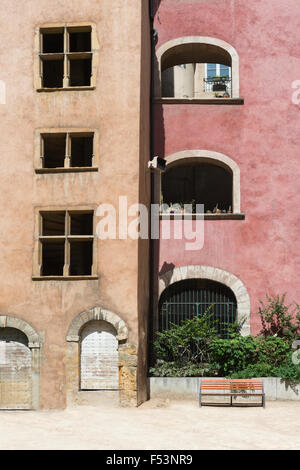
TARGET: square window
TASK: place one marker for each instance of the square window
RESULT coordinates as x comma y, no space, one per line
80,41
53,255
65,56
53,223
81,258
54,150
65,151
53,42
81,224
66,243
80,72
81,151
53,73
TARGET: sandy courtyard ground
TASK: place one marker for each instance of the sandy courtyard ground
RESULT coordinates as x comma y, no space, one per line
158,424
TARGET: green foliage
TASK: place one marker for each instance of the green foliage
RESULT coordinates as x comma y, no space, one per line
188,342
239,352
279,319
195,349
184,369
273,350
261,369
289,371
286,371
229,355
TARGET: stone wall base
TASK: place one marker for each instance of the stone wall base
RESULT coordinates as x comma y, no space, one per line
188,388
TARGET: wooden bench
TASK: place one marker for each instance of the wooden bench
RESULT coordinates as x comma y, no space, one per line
231,388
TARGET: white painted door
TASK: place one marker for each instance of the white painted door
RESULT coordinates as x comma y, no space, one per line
15,371
99,357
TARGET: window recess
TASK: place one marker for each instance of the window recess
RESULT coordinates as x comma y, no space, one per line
66,244
65,57
66,151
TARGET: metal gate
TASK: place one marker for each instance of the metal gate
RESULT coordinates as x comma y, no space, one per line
99,357
192,298
15,370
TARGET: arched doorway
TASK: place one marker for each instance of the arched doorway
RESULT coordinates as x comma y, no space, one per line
122,354
191,298
15,370
99,357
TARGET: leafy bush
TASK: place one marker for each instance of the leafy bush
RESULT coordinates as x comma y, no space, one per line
287,371
230,355
261,369
176,369
194,348
273,350
278,319
188,342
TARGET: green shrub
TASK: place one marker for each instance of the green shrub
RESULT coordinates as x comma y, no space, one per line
175,369
186,342
260,369
279,319
289,371
194,348
230,355
273,350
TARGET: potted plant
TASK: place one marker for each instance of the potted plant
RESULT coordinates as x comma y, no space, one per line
217,210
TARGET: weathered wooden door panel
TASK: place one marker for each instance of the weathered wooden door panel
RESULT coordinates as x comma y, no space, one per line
99,357
15,371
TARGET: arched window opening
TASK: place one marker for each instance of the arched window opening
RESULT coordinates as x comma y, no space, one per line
192,298
196,70
198,183
99,357
15,370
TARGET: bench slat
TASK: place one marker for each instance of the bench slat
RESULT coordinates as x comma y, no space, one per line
232,388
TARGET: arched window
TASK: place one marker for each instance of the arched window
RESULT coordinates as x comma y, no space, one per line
197,182
197,67
192,298
99,357
202,176
15,370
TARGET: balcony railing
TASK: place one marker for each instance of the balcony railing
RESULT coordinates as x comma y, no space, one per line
217,85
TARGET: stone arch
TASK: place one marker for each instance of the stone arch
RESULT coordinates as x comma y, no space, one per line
97,313
34,344
214,274
215,158
18,324
127,355
189,41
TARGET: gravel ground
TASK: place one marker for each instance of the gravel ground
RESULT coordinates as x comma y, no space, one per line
157,424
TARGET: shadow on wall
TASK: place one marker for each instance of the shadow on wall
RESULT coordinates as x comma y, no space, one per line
155,6
157,148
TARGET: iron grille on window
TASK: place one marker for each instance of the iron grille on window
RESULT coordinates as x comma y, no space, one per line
192,298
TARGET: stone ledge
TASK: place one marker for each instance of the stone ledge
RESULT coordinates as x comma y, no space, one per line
66,170
209,101
235,216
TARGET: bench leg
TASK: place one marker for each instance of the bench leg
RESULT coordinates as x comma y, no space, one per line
200,400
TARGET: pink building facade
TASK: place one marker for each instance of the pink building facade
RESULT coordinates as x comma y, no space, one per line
252,246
